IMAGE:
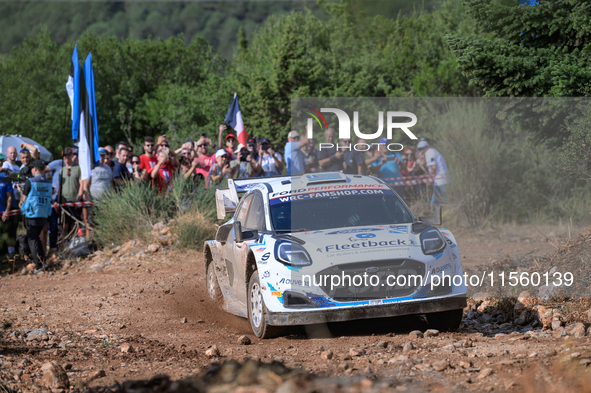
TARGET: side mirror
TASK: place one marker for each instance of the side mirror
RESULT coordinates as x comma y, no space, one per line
237,231
436,219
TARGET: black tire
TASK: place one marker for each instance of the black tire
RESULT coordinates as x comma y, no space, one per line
445,321
257,311
213,287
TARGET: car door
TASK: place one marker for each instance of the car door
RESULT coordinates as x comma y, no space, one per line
231,257
253,223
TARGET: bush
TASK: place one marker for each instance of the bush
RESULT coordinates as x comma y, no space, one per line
496,173
131,213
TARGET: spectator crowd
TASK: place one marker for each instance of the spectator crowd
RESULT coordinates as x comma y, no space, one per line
202,162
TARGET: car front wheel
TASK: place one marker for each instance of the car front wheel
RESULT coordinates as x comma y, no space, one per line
257,310
213,287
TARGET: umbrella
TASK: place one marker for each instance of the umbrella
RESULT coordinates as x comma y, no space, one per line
15,140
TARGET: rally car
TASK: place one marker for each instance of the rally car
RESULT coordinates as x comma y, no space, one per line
329,247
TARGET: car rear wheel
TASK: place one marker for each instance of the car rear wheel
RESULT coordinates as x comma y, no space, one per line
445,321
257,310
213,288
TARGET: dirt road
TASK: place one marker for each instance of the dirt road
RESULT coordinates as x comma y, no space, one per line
140,315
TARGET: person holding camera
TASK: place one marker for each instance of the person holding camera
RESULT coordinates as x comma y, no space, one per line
36,208
221,170
330,159
270,162
136,172
205,159
244,163
164,168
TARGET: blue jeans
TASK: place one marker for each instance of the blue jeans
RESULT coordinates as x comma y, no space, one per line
439,195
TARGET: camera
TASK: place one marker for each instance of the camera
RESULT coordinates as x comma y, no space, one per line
243,158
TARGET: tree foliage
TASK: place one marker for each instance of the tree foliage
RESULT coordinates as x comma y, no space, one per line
539,51
142,88
349,55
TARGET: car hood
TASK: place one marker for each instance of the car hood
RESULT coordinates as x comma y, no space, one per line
356,244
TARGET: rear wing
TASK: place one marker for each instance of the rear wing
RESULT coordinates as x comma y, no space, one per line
227,199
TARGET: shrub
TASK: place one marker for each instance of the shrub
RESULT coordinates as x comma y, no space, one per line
131,213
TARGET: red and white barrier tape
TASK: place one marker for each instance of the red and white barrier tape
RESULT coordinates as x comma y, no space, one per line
71,204
412,180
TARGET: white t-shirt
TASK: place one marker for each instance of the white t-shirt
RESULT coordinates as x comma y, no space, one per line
433,157
268,165
14,168
100,181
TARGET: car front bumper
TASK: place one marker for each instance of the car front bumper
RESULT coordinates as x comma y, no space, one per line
324,315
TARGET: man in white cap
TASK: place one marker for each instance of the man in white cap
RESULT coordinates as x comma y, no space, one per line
437,169
294,157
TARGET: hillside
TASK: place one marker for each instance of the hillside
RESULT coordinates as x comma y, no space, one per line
217,22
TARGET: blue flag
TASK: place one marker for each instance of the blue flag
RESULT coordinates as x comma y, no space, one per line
80,89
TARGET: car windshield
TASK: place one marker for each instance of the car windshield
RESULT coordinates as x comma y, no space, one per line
336,209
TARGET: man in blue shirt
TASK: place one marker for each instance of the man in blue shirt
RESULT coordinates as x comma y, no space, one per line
36,208
294,158
388,170
7,237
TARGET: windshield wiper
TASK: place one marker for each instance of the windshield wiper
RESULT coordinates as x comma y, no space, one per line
290,230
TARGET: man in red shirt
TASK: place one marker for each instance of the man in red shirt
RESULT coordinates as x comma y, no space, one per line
204,159
148,160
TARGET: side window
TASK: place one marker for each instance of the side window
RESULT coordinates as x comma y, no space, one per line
255,219
243,211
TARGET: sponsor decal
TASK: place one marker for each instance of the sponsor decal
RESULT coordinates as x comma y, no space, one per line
365,244
325,194
290,281
265,256
398,229
440,269
365,235
438,255
266,274
261,249
275,293
375,302
347,231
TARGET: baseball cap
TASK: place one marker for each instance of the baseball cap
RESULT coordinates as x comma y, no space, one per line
230,136
264,140
422,144
67,151
293,134
220,153
37,164
383,140
251,141
2,157
240,147
74,150
102,151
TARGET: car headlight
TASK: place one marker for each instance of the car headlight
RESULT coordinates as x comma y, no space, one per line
292,254
431,241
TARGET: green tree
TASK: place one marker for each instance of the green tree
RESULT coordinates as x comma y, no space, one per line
348,55
539,51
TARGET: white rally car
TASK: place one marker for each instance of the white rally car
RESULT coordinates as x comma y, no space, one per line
329,247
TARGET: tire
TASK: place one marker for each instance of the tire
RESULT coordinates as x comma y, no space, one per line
445,321
257,310
213,287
